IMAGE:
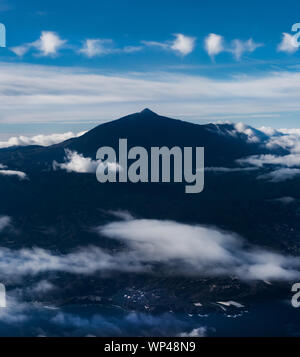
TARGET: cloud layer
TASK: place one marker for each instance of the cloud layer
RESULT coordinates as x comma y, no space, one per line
191,250
35,319
283,167
43,140
199,250
31,93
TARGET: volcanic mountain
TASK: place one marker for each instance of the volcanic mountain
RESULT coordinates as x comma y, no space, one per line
60,211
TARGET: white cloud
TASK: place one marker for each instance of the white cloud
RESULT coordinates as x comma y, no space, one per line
198,250
75,162
261,160
214,44
131,49
48,44
251,133
179,248
287,139
16,264
123,215
41,139
280,175
287,44
20,50
285,200
182,44
96,47
239,47
100,47
197,332
21,175
229,169
162,45
283,167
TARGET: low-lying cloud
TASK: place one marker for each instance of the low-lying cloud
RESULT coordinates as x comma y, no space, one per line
36,319
200,250
75,162
281,167
41,139
4,222
179,249
4,172
279,175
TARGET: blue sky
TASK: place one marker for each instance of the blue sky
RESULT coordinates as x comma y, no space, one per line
70,65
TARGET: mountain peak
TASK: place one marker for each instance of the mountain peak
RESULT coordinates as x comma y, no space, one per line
147,111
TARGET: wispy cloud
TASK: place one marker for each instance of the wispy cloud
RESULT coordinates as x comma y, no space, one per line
181,44
96,47
280,175
215,44
101,47
238,47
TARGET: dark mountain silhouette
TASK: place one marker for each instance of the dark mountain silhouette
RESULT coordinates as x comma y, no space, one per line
141,129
